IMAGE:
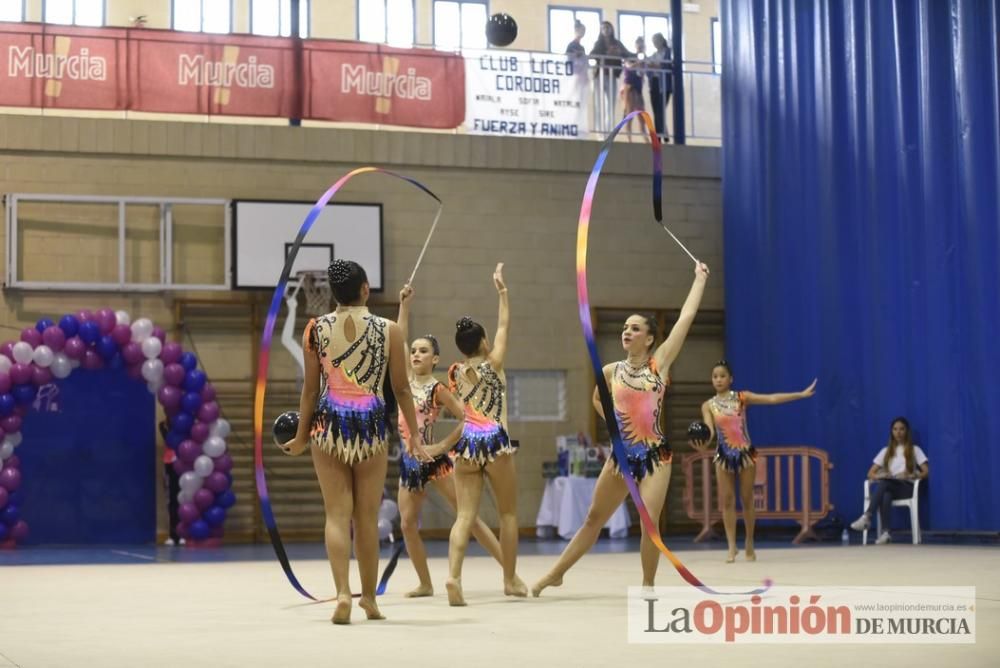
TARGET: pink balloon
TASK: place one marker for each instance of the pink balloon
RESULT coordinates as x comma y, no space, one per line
181,467
188,451
41,376
7,350
200,430
19,531
13,462
160,334
174,374
204,498
208,392
85,316
10,478
134,370
171,353
5,382
122,334
4,494
32,336
21,409
74,347
20,373
10,424
217,482
188,512
54,338
209,412
132,352
106,320
224,463
91,360
184,530
170,396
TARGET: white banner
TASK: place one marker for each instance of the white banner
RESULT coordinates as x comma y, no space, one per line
526,94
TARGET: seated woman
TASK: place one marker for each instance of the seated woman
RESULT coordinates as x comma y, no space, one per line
896,466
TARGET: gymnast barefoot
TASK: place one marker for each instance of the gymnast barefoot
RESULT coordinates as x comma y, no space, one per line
429,396
638,385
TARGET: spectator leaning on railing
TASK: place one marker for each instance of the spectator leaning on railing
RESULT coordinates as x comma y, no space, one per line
659,70
609,52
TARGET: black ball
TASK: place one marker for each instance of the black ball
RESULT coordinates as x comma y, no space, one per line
698,431
501,30
285,427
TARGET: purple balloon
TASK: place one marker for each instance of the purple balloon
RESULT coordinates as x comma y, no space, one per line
32,336
54,338
5,382
181,467
209,412
7,350
199,432
132,351
84,316
75,347
160,334
200,530
224,463
10,478
122,334
188,512
170,396
184,530
106,320
174,374
4,496
19,531
170,354
204,499
20,374
217,482
188,451
10,424
13,462
41,376
91,360
134,371
208,393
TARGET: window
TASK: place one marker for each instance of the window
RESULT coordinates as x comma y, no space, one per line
536,395
73,12
562,21
386,22
11,10
634,24
459,25
716,46
274,18
203,15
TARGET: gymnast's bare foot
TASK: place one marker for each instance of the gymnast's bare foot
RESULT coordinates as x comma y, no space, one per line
515,587
421,591
342,613
547,581
371,608
731,557
455,597
751,555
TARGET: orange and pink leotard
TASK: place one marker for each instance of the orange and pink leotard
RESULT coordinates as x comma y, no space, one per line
638,393
734,451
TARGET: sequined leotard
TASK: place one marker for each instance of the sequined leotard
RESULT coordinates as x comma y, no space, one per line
734,451
484,437
414,474
638,394
350,417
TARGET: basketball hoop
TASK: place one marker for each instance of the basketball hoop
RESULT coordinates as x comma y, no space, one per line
317,290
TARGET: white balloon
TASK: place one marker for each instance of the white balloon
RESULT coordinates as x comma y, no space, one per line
384,529
191,482
152,370
214,447
219,428
185,496
388,510
61,366
23,352
43,356
141,329
155,385
5,364
122,318
151,348
6,450
14,438
75,363
203,466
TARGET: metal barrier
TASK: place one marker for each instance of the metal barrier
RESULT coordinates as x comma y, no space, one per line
776,496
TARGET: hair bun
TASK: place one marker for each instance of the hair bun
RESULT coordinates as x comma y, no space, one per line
339,272
465,324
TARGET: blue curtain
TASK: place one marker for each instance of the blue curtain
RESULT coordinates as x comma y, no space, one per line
861,172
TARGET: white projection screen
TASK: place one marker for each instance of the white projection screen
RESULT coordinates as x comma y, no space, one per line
263,233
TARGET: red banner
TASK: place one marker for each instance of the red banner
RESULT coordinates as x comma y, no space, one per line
163,71
369,83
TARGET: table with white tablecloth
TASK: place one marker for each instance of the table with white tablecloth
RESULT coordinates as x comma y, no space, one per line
565,504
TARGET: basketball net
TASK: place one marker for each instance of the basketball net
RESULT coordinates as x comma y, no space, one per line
317,291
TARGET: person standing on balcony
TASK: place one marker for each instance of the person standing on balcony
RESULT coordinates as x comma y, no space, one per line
609,52
577,55
632,87
726,417
659,70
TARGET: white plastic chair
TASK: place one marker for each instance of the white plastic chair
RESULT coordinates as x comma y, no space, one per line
912,503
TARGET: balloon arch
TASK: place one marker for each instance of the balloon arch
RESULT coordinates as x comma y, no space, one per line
93,340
